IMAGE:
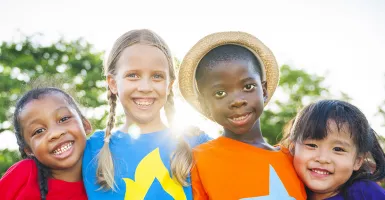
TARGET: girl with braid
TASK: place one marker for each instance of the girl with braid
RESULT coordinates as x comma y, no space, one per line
51,134
152,162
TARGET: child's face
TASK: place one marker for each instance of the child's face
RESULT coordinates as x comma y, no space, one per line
142,82
54,132
234,95
324,165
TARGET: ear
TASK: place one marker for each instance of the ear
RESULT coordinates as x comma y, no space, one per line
112,83
87,126
170,86
28,151
358,162
264,89
292,148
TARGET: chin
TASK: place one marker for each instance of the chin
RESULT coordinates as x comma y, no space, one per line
239,131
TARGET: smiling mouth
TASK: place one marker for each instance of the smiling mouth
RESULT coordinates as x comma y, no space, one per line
322,172
63,148
144,102
240,120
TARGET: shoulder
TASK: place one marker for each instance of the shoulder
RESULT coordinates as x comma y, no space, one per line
366,189
206,147
195,136
286,152
23,167
99,134
96,140
199,139
19,176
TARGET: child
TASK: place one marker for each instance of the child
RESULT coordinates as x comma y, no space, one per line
334,149
51,134
129,164
230,77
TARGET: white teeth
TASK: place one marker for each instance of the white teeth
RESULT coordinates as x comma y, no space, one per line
320,172
144,103
239,118
63,148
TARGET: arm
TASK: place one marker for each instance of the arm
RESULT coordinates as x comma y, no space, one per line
199,192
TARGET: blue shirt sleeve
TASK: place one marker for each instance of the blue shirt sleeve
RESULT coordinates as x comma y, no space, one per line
89,165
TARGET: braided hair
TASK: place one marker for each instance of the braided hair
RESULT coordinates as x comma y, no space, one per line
43,171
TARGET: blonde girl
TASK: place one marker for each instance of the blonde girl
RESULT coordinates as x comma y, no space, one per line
149,163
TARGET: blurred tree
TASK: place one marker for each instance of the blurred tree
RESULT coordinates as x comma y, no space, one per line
73,66
7,158
296,89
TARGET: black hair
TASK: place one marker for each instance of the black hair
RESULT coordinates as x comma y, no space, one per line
312,123
228,52
34,94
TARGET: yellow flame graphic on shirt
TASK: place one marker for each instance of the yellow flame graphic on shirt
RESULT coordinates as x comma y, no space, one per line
149,168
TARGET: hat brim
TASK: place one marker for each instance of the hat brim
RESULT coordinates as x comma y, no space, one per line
187,81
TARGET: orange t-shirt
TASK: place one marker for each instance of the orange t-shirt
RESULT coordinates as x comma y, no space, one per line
229,169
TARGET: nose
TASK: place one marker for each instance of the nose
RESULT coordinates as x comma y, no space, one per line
323,157
56,133
145,86
237,103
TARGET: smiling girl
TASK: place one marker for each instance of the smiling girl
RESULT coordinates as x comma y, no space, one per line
51,134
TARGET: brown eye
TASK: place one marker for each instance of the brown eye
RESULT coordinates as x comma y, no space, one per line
313,146
220,94
63,119
38,131
249,87
339,149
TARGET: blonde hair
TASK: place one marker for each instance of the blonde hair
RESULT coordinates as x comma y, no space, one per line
181,161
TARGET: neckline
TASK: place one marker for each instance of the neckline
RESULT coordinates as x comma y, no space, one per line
238,144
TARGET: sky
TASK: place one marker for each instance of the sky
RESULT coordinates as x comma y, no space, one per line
343,40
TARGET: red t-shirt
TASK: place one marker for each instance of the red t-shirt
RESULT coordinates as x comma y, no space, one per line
228,169
21,182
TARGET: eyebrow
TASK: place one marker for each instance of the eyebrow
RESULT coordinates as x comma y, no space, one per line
55,111
159,71
247,79
342,142
220,84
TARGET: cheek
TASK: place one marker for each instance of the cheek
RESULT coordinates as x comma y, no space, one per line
215,108
161,88
124,85
301,157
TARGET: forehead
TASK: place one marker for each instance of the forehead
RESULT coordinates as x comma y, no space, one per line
230,70
339,133
141,56
44,105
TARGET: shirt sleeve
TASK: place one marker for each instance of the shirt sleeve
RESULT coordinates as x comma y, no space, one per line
15,179
199,192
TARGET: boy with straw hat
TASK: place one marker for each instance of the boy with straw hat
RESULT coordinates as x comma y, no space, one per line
229,77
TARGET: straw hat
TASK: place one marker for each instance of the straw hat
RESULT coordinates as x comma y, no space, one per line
187,82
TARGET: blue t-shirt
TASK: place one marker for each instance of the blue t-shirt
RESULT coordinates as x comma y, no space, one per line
362,190
142,166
